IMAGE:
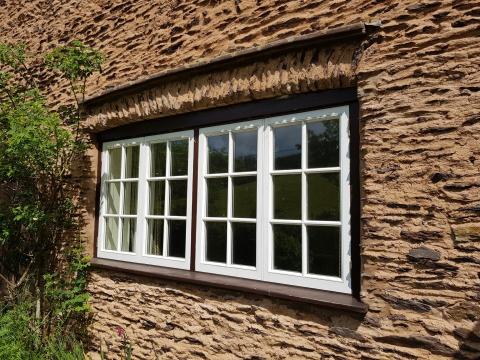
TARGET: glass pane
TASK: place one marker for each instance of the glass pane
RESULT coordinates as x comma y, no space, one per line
287,194
157,197
176,238
287,244
288,147
216,242
113,198
179,151
128,234
155,237
131,168
323,144
245,197
115,163
158,159
130,198
217,197
111,233
324,250
178,197
245,151
244,247
323,196
218,154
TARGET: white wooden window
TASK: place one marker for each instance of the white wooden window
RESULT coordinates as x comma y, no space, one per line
145,203
274,200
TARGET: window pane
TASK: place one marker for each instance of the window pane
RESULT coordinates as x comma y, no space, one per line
157,197
244,247
179,151
217,190
324,250
218,154
323,196
128,234
288,147
113,198
111,233
245,197
131,167
245,151
287,240
176,238
178,197
130,198
115,163
216,242
287,193
158,159
323,144
155,237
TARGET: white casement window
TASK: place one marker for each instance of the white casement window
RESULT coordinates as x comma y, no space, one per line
274,200
145,203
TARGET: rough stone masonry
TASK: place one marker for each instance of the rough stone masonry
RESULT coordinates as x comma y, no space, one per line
418,84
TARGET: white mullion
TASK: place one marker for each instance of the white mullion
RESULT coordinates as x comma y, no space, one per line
166,210
304,199
229,199
175,217
142,200
216,175
122,190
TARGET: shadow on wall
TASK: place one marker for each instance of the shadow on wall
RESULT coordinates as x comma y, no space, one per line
163,317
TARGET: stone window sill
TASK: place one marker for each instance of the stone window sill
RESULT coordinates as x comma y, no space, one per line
311,296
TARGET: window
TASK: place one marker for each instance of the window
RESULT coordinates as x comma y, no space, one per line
273,200
145,200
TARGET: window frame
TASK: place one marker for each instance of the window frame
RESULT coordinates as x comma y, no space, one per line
140,255
258,109
264,270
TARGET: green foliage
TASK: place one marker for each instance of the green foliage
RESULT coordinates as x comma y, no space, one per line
43,271
12,55
20,337
75,61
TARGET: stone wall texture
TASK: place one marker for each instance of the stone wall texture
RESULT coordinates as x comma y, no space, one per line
418,83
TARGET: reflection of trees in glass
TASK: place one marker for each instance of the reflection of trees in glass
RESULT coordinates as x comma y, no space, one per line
323,196
244,244
288,147
218,154
179,151
132,162
324,250
176,238
323,144
178,197
287,247
245,151
216,241
245,197
217,191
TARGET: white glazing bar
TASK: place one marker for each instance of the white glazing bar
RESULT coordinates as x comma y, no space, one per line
166,204
323,170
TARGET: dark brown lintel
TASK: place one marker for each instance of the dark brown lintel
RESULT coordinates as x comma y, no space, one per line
249,55
287,292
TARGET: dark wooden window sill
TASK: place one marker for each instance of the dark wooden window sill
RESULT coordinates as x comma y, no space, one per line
293,293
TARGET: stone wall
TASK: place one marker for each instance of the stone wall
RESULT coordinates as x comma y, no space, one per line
418,83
